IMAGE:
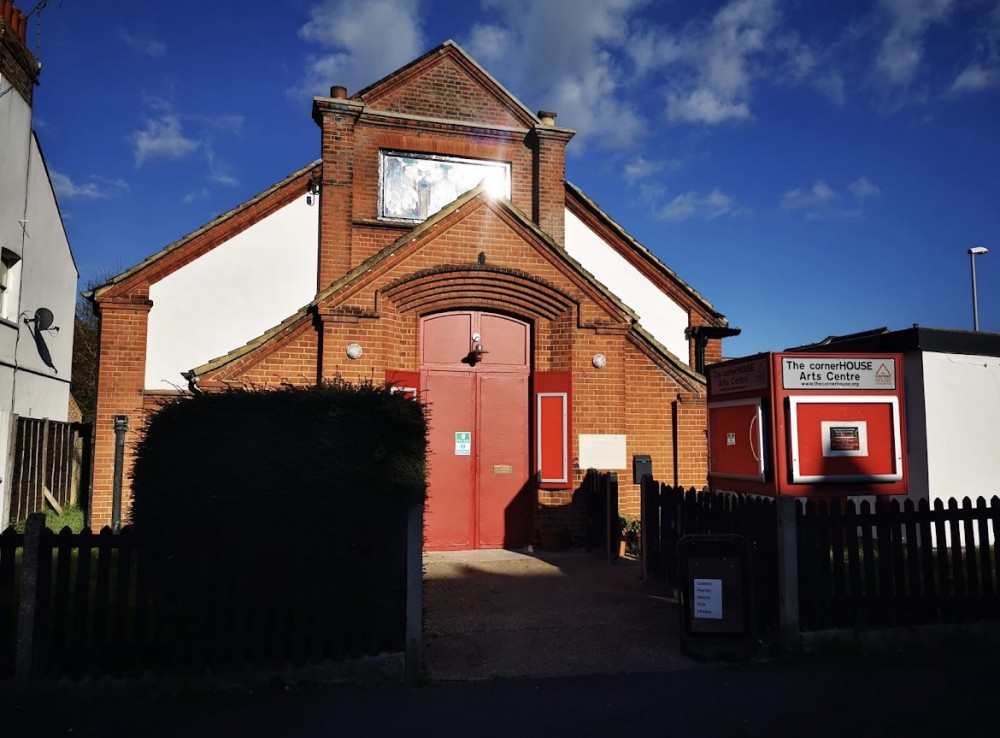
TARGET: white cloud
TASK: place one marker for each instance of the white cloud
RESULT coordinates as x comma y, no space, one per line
862,188
694,205
561,55
365,40
143,44
97,188
195,195
162,138
976,78
231,123
712,65
490,41
641,168
902,47
817,196
217,170
831,84
704,106
822,201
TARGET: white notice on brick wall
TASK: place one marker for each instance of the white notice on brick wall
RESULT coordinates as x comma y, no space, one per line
708,599
604,452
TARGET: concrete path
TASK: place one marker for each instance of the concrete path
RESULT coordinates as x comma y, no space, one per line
491,614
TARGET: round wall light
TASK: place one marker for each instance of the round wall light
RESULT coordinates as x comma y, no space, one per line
599,361
354,351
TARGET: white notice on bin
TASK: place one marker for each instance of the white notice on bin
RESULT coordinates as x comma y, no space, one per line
708,599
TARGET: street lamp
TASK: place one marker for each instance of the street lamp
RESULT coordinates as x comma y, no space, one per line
973,253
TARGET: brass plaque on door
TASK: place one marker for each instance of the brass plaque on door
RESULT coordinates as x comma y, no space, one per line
503,469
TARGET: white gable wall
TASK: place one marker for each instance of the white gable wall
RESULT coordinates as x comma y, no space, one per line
232,294
962,401
658,313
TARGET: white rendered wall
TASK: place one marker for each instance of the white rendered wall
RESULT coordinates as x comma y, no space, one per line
658,313
48,280
15,142
232,294
962,399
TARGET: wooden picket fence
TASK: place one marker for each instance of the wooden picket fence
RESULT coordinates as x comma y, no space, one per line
91,604
670,513
858,566
51,461
893,564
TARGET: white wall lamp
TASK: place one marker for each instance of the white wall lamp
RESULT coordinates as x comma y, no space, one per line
354,351
599,361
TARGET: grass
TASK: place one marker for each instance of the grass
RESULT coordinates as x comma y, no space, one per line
72,517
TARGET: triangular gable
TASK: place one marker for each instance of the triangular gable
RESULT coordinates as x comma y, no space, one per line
210,235
446,83
376,267
639,256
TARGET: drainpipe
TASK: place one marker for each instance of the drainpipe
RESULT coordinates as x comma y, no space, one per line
121,425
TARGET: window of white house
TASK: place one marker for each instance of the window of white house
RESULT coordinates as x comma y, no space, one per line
415,186
9,268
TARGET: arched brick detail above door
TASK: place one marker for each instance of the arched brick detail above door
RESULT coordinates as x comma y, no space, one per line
496,290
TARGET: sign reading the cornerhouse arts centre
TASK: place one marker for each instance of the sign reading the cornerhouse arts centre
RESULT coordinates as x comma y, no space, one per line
838,373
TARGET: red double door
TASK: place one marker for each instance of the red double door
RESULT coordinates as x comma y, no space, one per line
474,377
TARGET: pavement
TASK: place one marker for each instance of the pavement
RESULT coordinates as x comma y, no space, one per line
503,614
554,644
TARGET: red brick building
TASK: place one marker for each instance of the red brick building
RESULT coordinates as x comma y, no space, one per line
437,245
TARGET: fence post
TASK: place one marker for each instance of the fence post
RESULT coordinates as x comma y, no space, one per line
412,659
27,612
788,576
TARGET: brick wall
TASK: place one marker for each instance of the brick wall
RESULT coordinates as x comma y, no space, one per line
120,379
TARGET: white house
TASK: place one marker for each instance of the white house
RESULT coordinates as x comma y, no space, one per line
38,276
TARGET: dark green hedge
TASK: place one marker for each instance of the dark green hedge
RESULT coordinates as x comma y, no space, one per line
287,490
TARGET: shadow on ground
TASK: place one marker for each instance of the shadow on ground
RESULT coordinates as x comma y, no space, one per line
491,614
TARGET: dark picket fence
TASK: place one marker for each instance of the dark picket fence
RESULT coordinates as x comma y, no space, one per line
10,543
670,513
893,564
96,604
858,566
604,531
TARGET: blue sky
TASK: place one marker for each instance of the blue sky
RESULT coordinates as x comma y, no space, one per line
811,167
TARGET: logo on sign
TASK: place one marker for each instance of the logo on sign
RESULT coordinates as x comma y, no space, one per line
883,375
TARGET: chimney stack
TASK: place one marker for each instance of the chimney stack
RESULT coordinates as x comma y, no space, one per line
17,20
17,64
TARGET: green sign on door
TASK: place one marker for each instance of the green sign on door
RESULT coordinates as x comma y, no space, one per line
463,443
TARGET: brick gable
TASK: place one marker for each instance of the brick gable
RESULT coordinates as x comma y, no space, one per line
446,84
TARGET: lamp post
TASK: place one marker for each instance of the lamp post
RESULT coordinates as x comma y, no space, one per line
973,253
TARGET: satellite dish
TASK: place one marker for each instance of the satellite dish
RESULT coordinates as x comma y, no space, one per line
43,319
